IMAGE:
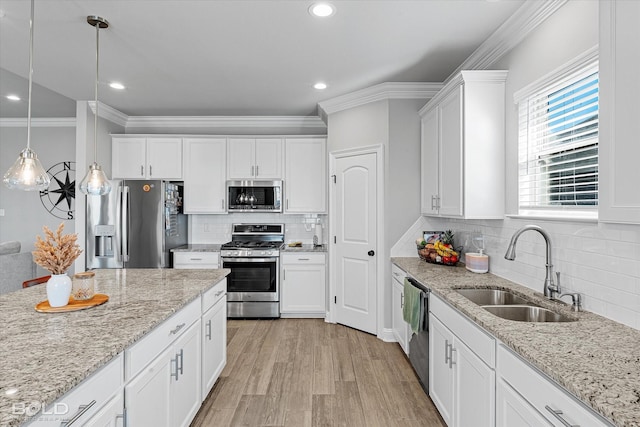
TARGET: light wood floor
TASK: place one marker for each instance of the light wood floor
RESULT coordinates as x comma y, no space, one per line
305,372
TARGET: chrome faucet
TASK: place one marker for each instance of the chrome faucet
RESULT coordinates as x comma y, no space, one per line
550,289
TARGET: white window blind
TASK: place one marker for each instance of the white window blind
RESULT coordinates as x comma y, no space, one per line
558,144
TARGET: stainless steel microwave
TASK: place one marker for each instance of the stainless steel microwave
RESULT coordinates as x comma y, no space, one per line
254,196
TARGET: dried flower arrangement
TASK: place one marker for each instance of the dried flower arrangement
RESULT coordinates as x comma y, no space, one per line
57,252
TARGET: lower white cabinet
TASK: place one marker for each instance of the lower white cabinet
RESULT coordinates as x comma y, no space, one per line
523,392
167,391
401,329
191,260
461,376
214,337
111,414
303,284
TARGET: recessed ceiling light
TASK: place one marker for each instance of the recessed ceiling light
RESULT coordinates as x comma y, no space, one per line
322,9
13,97
320,86
116,85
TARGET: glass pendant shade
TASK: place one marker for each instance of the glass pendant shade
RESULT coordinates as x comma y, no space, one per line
27,173
95,183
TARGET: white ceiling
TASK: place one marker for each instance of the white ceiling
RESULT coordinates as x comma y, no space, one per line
232,57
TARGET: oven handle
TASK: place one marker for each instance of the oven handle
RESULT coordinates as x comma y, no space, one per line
232,260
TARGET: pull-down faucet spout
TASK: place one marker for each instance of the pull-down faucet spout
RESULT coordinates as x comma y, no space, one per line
550,289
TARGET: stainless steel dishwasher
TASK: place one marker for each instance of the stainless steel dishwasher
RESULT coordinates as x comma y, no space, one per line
419,342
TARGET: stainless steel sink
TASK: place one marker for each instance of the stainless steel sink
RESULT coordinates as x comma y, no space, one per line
492,296
526,313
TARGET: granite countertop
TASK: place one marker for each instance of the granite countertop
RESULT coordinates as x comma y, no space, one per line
596,359
44,355
304,248
198,248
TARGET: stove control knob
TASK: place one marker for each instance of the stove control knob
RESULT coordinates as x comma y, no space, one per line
264,253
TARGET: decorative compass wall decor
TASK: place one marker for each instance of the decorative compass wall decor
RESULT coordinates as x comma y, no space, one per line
59,198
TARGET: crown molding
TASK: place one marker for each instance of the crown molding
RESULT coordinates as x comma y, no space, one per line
109,113
46,122
216,122
380,92
531,14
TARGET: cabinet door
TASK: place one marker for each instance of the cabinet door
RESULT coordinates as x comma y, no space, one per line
186,388
440,372
474,388
241,158
164,158
214,344
399,325
429,162
305,175
619,149
111,414
148,397
513,410
451,152
268,159
303,288
128,158
205,175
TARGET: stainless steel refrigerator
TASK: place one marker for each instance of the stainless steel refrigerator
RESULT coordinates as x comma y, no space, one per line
136,225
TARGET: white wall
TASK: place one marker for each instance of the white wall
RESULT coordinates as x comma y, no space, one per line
600,261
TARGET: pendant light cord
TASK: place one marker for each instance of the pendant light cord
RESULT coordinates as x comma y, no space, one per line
30,76
95,127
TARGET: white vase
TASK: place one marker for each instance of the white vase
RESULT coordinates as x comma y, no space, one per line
59,290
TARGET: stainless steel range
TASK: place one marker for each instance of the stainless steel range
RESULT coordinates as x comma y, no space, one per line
253,255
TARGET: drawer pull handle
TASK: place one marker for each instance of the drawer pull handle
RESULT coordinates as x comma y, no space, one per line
303,259
81,411
401,300
175,331
446,352
195,259
181,364
174,362
208,330
218,293
558,414
451,362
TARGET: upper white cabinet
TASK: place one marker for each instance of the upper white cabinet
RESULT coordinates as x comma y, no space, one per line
254,158
462,148
619,198
205,172
146,158
305,175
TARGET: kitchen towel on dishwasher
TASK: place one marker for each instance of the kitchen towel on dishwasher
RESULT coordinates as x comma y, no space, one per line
412,308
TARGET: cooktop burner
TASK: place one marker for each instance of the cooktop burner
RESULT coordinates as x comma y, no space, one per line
238,244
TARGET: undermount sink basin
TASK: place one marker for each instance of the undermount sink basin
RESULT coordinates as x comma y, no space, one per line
492,296
526,313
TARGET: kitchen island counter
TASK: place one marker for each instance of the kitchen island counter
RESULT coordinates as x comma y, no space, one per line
44,355
594,358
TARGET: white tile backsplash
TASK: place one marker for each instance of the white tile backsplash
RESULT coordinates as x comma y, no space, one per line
600,261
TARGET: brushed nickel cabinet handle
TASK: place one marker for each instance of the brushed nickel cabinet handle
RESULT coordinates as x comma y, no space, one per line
82,409
558,414
178,327
208,332
141,170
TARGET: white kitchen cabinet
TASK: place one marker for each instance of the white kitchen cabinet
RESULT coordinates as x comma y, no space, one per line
214,336
205,175
514,410
194,260
539,395
305,175
401,329
254,158
303,284
146,158
111,414
461,368
619,127
462,148
86,400
185,390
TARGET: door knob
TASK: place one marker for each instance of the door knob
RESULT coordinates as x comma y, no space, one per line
371,253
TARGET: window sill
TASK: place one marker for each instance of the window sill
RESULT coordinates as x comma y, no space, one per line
586,217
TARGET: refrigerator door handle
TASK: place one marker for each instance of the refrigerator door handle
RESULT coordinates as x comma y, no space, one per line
124,221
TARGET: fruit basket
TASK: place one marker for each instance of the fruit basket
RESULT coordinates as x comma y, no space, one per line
437,248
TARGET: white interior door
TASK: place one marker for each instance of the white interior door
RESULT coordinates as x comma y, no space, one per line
356,238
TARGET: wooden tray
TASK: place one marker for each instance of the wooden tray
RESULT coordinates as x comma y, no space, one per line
98,299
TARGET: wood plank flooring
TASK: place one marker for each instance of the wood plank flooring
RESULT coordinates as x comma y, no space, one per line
305,372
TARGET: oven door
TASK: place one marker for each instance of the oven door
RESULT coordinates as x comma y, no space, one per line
252,279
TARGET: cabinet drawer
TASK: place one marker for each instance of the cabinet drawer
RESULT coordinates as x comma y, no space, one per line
213,295
302,258
543,394
92,394
196,259
482,344
398,273
142,352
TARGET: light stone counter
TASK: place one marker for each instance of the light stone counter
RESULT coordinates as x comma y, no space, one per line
44,355
304,248
198,248
596,359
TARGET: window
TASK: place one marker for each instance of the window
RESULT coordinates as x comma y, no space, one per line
558,141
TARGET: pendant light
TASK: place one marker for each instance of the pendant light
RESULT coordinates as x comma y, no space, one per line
27,173
96,183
